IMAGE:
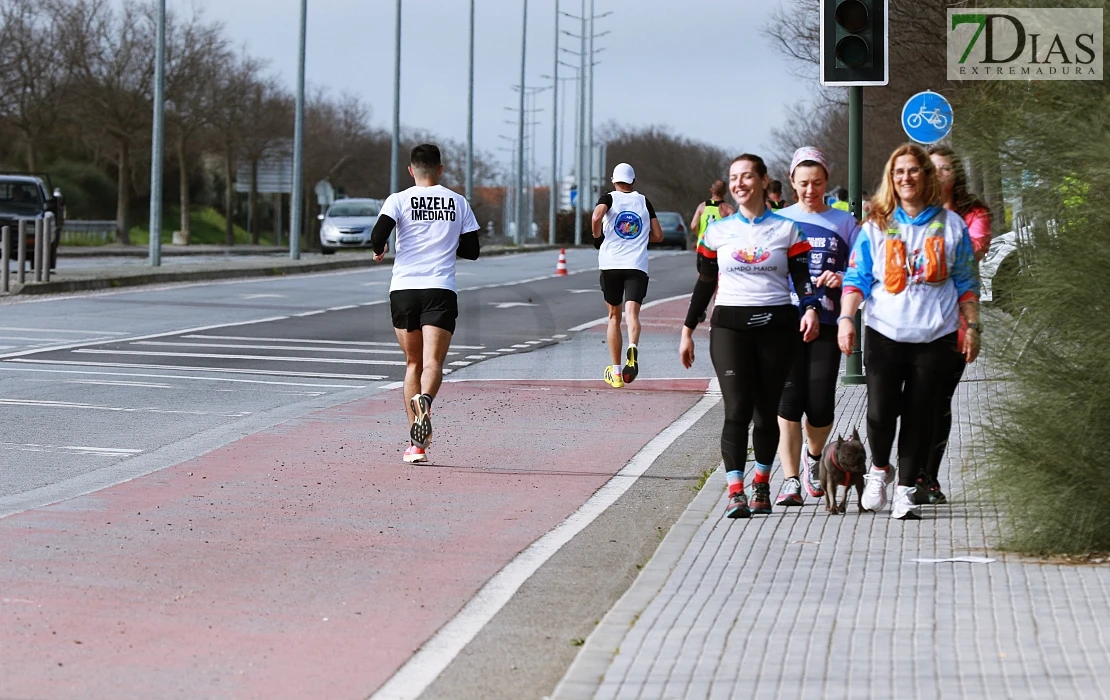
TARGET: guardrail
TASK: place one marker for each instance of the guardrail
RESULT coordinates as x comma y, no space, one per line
88,232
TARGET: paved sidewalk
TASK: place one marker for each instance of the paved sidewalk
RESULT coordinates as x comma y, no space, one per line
801,604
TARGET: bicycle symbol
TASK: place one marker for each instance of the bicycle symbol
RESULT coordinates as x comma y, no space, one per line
934,118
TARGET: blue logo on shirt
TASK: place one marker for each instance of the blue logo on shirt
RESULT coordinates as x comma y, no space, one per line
628,225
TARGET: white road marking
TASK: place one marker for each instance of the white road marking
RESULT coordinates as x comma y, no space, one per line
35,403
262,296
70,449
545,340
531,342
605,319
460,363
559,335
58,330
220,356
374,284
183,368
491,353
310,313
5,368
304,348
475,357
582,291
508,304
35,340
520,346
343,308
7,347
314,341
423,667
90,343
105,382
506,349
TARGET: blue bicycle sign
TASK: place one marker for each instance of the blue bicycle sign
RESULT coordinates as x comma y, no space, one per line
927,117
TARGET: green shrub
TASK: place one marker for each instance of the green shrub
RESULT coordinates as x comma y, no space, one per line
206,227
89,192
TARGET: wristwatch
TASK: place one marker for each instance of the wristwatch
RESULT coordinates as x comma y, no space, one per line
977,327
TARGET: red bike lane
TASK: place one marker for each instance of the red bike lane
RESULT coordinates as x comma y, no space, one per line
306,560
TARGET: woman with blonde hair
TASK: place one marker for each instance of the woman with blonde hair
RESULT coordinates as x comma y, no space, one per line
913,262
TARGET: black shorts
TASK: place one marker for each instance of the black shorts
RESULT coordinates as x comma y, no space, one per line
413,309
811,385
619,286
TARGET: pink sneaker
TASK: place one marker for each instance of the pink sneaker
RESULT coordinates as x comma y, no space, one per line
415,454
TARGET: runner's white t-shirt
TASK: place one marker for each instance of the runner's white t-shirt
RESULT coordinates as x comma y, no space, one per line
752,258
627,227
429,223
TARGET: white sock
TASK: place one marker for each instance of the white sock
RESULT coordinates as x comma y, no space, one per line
617,369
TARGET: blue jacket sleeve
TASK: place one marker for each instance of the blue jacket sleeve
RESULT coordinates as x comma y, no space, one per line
860,265
964,272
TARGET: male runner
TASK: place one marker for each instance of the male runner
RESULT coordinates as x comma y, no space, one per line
618,226
434,224
709,211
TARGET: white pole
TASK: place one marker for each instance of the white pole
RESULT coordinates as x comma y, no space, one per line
297,205
156,149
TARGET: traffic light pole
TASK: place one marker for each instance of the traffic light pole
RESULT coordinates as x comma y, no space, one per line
853,373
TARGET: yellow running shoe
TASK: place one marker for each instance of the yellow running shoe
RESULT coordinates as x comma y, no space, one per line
612,378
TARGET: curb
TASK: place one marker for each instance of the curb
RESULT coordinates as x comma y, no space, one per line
169,276
584,677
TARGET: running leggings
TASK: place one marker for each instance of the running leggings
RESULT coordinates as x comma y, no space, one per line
751,366
906,380
811,385
942,425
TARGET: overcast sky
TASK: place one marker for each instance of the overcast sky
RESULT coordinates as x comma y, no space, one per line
705,69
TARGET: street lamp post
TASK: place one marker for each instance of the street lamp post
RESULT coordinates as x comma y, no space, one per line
297,205
156,149
470,115
520,134
554,135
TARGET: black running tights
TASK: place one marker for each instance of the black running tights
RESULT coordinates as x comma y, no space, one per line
751,367
943,421
906,380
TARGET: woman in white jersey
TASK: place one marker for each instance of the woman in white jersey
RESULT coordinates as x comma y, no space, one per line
914,264
811,386
750,258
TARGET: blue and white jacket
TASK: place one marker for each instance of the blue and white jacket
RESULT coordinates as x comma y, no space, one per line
914,274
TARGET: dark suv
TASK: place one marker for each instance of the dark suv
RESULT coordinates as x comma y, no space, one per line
29,197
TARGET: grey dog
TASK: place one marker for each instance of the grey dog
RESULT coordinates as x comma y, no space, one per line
843,463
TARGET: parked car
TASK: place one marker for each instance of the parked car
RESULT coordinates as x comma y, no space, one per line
29,197
347,224
674,230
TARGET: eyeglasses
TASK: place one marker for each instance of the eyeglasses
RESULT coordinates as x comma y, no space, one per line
911,172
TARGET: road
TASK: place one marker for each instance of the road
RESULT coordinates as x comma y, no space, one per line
262,388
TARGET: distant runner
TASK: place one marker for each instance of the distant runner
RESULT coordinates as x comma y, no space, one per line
709,211
620,226
774,196
434,225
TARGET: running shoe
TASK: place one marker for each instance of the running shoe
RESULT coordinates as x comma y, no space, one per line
903,506
936,496
921,492
631,365
813,478
791,493
874,488
415,454
612,378
738,506
761,499
421,430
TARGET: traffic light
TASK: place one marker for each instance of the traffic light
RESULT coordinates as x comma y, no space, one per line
854,49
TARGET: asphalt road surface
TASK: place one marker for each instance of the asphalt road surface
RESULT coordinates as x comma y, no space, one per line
242,381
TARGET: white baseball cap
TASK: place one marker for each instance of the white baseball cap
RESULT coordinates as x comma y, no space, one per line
624,173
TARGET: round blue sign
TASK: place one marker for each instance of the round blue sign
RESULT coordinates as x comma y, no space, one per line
927,117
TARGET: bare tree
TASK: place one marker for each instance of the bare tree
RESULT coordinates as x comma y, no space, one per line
196,56
268,109
112,55
229,121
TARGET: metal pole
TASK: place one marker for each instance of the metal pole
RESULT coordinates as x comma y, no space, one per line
470,115
47,239
580,160
553,207
5,258
296,217
38,250
395,148
21,253
520,131
154,245
590,113
853,371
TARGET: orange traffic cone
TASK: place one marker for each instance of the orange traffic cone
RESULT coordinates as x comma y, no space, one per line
561,266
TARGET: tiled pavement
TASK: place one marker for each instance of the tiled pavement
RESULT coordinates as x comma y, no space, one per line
800,604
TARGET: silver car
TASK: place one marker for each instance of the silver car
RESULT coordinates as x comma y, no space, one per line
348,223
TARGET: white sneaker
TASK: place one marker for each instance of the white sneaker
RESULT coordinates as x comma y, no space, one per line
874,488
903,506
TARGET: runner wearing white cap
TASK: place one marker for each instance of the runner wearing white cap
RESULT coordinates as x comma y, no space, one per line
623,222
